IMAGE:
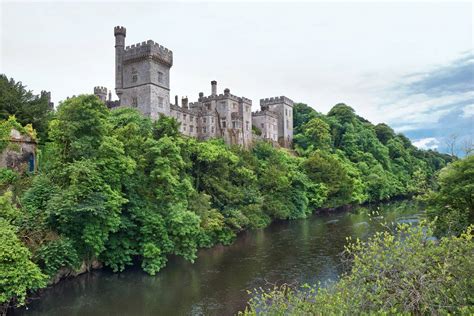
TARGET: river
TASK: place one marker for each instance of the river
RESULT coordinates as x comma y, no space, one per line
292,252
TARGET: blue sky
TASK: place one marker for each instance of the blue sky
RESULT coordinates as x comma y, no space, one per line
407,64
434,104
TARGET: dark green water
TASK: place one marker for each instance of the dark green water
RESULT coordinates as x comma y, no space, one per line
287,252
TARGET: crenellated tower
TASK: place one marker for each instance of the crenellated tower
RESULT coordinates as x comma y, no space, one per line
282,106
143,75
101,92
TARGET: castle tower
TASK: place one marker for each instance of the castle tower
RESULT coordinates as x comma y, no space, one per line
119,32
143,76
282,106
101,92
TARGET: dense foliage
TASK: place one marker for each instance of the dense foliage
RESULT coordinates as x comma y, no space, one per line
28,108
392,273
374,162
117,188
453,202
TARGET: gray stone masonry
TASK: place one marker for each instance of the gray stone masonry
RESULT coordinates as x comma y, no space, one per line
142,81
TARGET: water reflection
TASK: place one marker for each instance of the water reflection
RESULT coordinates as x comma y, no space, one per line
286,252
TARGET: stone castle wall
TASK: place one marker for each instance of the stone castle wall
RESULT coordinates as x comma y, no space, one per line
143,82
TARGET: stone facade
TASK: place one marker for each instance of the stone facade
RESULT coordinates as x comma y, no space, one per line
142,81
283,107
20,153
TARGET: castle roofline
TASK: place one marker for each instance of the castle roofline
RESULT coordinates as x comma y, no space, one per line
229,96
276,100
148,49
265,113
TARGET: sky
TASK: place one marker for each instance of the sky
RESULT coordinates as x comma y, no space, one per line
410,65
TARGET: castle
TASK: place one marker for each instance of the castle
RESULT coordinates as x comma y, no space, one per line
142,81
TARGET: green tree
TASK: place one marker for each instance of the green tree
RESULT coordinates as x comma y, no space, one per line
18,273
453,202
28,108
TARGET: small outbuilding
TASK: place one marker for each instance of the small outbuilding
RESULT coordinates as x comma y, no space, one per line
18,148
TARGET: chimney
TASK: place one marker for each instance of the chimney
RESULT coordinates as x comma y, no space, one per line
176,100
213,87
226,91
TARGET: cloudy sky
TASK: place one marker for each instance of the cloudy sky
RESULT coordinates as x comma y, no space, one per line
410,65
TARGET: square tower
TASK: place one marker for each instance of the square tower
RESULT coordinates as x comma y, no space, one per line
143,76
283,107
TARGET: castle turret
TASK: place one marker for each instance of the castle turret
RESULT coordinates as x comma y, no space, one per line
119,32
184,102
101,92
283,106
213,87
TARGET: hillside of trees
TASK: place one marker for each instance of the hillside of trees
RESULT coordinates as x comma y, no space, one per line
115,188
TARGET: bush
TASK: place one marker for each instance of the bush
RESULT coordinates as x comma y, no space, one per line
453,202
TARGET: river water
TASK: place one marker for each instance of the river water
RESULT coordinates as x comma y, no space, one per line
294,252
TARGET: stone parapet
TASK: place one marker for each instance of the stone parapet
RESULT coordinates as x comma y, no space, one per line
263,113
148,49
276,100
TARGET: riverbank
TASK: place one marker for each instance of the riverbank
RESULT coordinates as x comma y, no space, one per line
285,252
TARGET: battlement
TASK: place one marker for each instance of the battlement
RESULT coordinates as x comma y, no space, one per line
265,113
120,30
219,97
100,90
148,49
245,100
276,100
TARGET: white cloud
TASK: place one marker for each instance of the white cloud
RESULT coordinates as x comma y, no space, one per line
468,111
427,143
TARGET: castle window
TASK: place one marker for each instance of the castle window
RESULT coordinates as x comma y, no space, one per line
234,125
184,127
204,120
160,77
191,128
134,102
262,125
224,124
212,120
247,125
160,102
212,129
286,111
184,117
204,130
234,106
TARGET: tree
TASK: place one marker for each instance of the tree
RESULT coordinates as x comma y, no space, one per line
316,135
451,144
453,202
28,108
18,273
384,133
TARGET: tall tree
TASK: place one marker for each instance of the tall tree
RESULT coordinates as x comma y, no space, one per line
27,107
